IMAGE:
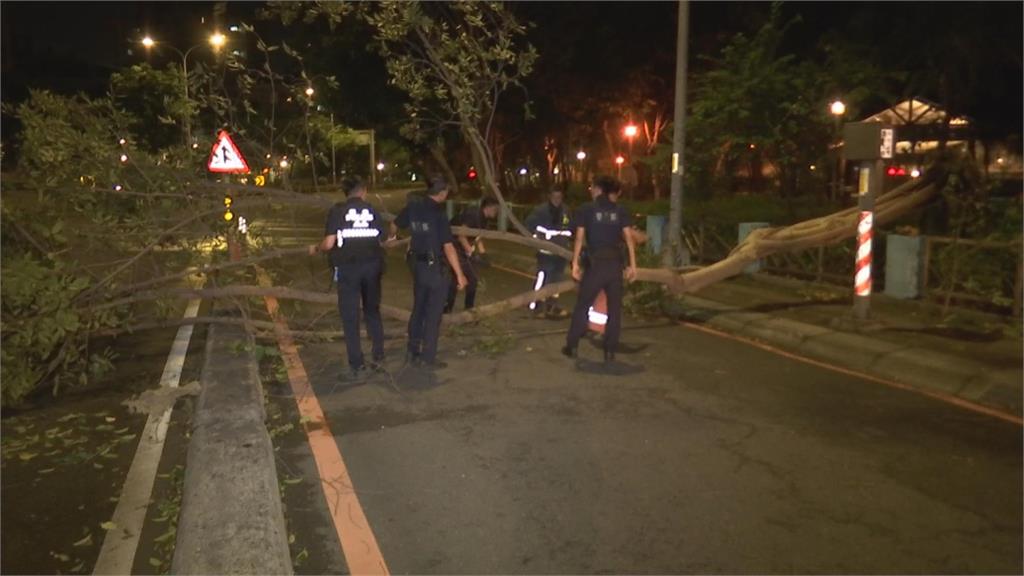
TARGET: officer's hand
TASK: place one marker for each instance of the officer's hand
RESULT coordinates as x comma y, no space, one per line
460,281
312,249
577,274
631,273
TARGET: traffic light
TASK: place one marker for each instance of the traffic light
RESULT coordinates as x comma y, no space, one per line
228,215
471,174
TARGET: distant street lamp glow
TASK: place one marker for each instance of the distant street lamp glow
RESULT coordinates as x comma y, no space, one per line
630,131
124,157
838,108
283,163
522,171
217,40
148,42
380,166
555,170
915,173
581,155
619,160
117,188
309,91
195,145
122,141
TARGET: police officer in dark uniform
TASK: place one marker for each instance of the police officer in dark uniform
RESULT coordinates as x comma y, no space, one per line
471,248
550,221
353,236
605,227
429,248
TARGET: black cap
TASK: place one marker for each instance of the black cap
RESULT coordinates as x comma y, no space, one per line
436,184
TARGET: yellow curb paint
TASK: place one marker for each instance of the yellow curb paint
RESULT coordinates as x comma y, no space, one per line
358,544
947,398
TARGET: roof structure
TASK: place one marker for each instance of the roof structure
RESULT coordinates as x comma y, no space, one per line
916,111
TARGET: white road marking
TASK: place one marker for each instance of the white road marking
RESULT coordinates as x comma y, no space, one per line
120,544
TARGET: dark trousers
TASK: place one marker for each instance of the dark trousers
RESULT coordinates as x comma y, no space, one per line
430,288
469,271
360,281
550,269
603,274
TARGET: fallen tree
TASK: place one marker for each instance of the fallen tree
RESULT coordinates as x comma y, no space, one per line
825,230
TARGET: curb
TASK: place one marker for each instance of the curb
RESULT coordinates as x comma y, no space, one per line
231,517
920,368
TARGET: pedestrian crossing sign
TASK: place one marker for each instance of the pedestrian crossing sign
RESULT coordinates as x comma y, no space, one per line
225,157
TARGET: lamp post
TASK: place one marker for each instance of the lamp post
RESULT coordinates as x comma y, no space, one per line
618,164
630,132
581,156
216,40
837,108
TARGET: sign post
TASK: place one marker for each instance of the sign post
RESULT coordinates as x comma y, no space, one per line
226,158
869,143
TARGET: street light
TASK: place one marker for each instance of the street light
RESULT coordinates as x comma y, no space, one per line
581,156
837,108
216,40
380,166
619,160
630,132
283,163
309,91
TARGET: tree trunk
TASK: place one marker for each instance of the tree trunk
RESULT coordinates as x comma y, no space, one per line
437,152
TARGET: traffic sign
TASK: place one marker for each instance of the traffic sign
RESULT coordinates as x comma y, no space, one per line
225,157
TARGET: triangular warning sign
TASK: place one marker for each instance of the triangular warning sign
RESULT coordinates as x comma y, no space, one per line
225,156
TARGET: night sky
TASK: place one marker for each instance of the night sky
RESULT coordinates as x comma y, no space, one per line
73,46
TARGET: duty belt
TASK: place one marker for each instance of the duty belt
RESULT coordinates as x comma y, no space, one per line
427,257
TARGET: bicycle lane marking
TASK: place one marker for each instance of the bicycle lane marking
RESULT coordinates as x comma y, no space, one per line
358,544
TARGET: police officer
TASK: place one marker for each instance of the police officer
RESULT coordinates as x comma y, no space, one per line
550,221
470,248
430,246
605,227
353,236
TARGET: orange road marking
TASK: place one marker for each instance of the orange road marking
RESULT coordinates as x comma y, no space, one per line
512,270
947,398
358,543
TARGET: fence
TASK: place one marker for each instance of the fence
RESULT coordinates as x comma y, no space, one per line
980,273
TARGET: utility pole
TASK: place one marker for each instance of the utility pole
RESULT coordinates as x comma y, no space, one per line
677,255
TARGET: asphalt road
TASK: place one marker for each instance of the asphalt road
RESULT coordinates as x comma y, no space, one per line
704,455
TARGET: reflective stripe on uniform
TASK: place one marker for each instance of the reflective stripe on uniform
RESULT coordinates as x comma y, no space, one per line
597,317
537,286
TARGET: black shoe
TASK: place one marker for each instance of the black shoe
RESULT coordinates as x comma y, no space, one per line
609,356
356,372
569,351
412,359
432,364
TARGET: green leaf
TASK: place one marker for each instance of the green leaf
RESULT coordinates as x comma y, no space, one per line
155,562
87,541
108,526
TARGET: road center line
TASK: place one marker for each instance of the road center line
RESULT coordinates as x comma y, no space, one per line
358,544
117,555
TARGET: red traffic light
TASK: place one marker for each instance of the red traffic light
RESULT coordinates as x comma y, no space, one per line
891,171
471,174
